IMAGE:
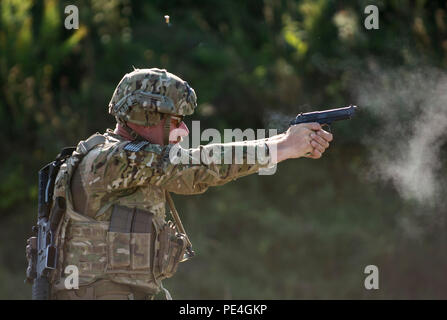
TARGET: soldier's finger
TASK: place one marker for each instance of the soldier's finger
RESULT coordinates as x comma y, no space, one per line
316,154
320,140
312,126
325,135
318,146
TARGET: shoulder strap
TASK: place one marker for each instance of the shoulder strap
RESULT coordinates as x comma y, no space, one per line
86,145
189,252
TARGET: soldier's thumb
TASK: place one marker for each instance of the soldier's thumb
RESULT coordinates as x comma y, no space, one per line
313,126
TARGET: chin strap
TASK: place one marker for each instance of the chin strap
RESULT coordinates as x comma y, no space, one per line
129,130
167,129
136,136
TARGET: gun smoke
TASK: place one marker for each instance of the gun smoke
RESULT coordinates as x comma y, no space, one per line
412,108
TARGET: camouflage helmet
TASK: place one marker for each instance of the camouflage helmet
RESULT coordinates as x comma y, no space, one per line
144,95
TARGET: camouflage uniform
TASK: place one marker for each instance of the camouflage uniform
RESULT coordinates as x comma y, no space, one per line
115,228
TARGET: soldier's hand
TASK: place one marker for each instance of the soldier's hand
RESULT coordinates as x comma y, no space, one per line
302,140
307,140
320,142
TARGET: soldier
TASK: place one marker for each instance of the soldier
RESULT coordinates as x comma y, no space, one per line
116,185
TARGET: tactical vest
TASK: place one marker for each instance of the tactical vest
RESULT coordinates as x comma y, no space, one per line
134,248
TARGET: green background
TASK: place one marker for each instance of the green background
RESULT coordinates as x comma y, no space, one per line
306,232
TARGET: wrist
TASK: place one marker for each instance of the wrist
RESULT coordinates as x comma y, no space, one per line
277,148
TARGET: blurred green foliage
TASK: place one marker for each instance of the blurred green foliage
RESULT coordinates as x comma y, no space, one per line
306,232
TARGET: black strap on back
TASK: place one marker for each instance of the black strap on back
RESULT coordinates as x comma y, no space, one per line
65,153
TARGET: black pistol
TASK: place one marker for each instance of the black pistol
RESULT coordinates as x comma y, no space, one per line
325,117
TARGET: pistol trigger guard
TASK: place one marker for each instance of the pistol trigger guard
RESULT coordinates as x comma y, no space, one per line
328,126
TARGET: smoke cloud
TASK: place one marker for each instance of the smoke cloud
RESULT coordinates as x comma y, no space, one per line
412,108
277,120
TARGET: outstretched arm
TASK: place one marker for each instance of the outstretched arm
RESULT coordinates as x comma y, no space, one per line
156,165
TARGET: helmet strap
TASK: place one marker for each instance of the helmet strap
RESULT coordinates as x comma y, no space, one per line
136,136
167,129
129,130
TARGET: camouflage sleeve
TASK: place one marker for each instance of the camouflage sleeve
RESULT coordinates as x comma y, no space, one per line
185,171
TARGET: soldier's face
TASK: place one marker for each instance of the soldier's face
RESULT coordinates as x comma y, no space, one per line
154,134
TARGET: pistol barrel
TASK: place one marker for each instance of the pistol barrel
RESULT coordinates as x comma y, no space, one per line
326,116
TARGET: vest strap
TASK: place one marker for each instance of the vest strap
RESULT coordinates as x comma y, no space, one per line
189,252
86,145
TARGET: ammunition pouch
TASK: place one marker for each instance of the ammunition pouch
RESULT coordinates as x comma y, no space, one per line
172,247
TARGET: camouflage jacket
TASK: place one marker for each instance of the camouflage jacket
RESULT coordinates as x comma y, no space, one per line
111,174
121,173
